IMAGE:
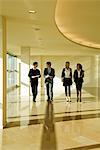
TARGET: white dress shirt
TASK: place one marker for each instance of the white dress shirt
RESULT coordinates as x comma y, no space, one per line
78,73
67,73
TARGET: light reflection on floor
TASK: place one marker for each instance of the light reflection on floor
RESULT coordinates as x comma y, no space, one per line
74,125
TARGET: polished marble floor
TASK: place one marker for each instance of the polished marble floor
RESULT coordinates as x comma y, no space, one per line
51,126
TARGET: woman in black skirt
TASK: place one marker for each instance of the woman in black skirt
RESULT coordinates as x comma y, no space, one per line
78,79
67,80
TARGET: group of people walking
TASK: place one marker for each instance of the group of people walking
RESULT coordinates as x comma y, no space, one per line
49,74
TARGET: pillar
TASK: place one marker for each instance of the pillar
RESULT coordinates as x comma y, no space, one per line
25,66
3,72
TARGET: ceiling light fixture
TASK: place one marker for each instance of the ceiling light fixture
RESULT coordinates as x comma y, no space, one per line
32,11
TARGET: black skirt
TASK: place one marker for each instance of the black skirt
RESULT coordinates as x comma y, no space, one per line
79,82
67,82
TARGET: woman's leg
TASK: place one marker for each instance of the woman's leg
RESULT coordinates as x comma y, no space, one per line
77,91
80,95
77,95
69,91
65,90
80,92
66,93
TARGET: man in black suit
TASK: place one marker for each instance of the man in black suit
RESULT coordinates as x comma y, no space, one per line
34,75
49,74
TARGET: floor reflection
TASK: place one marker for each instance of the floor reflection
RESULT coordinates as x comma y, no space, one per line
49,135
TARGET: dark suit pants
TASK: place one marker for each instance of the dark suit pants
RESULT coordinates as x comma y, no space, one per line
34,90
49,88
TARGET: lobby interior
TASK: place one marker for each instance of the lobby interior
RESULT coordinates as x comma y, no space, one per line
55,31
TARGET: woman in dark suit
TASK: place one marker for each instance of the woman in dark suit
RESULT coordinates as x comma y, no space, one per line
78,79
67,80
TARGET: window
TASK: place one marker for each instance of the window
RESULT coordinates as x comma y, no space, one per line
12,71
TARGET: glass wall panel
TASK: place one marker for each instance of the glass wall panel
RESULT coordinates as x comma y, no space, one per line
12,71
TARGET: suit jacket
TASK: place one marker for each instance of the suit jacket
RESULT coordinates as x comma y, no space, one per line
66,81
76,76
33,72
52,74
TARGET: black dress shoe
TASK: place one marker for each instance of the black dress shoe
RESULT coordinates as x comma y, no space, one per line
48,98
34,99
51,99
77,99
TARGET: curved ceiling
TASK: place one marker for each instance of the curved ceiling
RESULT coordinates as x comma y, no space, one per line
39,31
79,21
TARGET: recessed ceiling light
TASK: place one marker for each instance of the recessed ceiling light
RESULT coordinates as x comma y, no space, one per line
32,11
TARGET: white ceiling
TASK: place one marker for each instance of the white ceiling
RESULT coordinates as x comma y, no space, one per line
79,20
48,40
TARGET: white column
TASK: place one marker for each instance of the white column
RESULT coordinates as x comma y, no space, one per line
42,78
98,78
3,82
25,66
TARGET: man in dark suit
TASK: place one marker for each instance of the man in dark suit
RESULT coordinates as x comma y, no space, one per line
49,74
34,75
